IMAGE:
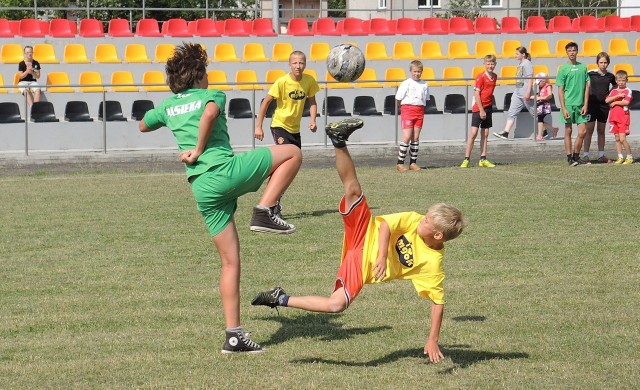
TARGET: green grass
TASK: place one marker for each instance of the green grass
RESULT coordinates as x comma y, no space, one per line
108,280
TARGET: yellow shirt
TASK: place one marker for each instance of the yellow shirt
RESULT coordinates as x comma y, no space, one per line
408,256
291,96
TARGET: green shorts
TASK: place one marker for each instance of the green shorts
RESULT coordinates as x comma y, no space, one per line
574,116
217,190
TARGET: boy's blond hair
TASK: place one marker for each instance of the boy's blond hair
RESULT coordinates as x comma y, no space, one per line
490,58
416,64
622,73
447,219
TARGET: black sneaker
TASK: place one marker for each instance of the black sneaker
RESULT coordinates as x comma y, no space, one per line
503,135
340,131
264,220
269,298
240,342
277,210
576,162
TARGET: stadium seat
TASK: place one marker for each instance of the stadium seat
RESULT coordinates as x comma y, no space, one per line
451,73
458,50
44,53
2,89
368,79
14,27
619,47
429,75
90,81
313,74
319,51
380,26
30,28
77,111
281,51
376,51
75,53
540,68
539,48
240,108
460,25
105,53
590,47
122,81
177,27
207,28
154,77
112,111
365,106
298,27
148,27
627,67
407,26
136,53
273,74
44,26
506,75
536,24
510,25
476,70
43,112
334,106
163,52
253,52
431,50
247,76
484,48
430,107
61,28
455,103
262,27
352,27
586,23
5,29
333,84
225,52
634,23
218,80
91,28
390,105
10,113
234,28
635,100
58,82
140,107
560,24
325,26
507,102
403,50
119,28
394,76
485,25
560,47
435,26
509,47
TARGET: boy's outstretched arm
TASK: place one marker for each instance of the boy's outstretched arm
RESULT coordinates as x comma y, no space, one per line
380,269
208,119
432,349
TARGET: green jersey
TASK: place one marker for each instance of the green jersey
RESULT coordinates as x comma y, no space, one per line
181,113
573,79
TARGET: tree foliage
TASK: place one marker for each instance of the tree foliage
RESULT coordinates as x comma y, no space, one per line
337,5
573,9
469,9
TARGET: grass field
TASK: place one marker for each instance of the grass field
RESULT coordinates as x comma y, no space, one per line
109,280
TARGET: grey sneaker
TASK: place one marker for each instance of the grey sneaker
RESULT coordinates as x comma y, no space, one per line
265,220
503,135
340,131
269,298
240,342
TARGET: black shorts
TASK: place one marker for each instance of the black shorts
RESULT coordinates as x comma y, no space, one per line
541,117
479,123
283,137
598,112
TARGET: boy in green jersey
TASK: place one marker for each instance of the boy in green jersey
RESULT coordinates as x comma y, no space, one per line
218,177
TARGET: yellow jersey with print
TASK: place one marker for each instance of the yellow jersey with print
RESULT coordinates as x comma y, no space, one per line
408,257
290,96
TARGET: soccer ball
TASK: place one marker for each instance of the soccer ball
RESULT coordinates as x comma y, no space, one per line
345,63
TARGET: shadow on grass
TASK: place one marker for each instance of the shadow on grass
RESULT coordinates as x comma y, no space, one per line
324,327
469,318
459,355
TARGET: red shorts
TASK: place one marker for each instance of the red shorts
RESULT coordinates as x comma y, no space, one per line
356,223
411,117
619,128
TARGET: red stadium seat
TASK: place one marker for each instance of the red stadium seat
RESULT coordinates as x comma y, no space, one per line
460,25
536,24
44,26
352,26
485,25
435,26
119,28
298,27
586,23
234,28
148,27
380,26
5,29
262,27
30,28
61,28
614,23
626,21
560,24
91,28
325,26
177,27
207,28
510,24
408,26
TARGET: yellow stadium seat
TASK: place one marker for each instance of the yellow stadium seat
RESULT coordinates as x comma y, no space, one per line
560,50
403,51
2,89
247,76
591,47
154,77
281,51
637,46
58,82
627,67
539,48
376,51
273,74
44,53
449,73
592,67
484,48
475,71
16,80
319,51
164,51
368,79
253,52
538,68
225,52
431,50
619,47
218,80
75,53
136,52
90,82
123,77
336,85
313,74
12,53
505,73
394,76
509,47
458,49
429,75
106,53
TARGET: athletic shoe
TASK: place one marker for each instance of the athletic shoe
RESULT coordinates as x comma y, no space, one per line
486,164
277,210
414,167
503,135
265,220
576,162
401,168
240,342
603,160
340,131
585,161
619,161
627,161
465,164
269,298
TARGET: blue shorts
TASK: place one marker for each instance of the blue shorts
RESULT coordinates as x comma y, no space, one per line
217,190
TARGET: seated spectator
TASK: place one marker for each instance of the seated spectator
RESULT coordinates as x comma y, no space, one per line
29,74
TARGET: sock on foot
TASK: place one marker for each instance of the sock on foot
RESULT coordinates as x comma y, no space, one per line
600,153
283,300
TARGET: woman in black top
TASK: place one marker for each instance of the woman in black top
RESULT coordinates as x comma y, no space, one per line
601,83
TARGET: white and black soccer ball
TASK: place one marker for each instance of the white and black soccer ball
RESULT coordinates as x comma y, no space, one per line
345,63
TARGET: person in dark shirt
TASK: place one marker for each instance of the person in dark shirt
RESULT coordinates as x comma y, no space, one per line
601,83
28,77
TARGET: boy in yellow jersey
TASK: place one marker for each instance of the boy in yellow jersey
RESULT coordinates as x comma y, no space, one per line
290,92
405,245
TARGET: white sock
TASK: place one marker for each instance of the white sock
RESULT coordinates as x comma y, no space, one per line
600,153
629,156
586,155
620,155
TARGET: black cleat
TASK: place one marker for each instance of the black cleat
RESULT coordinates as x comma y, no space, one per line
269,298
340,131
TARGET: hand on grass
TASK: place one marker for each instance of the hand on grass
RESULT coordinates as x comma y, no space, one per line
189,156
433,351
